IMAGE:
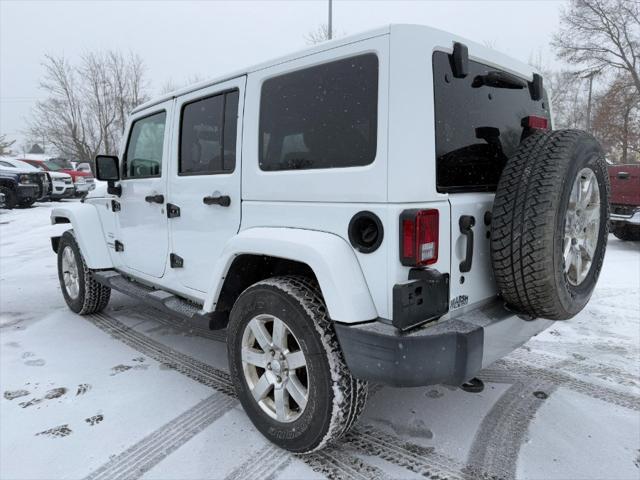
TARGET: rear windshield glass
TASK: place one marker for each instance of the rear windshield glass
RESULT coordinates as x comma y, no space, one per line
324,116
477,127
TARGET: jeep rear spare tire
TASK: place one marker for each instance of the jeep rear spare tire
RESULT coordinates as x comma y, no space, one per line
550,224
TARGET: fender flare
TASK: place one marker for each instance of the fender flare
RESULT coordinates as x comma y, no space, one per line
332,260
87,229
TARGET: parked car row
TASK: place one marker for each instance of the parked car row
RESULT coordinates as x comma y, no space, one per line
22,183
82,180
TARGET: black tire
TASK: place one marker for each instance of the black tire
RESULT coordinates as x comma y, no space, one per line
528,223
26,204
336,399
92,296
627,232
9,197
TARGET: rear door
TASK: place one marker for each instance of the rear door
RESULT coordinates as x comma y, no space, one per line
142,221
478,127
204,182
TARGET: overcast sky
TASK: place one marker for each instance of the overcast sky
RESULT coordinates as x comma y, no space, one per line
181,39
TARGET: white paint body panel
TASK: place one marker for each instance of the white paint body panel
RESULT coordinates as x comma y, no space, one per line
332,259
142,226
201,231
88,231
351,184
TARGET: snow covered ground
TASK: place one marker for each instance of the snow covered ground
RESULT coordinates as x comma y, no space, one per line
130,393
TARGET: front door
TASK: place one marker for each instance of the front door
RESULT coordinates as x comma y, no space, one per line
142,221
204,181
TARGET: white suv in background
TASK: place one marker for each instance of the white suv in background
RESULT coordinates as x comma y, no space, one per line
390,207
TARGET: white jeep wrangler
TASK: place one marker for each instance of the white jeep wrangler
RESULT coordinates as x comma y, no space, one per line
391,207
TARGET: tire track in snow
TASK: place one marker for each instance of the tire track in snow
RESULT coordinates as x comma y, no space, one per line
151,450
496,445
569,365
424,461
513,371
178,324
184,364
335,464
393,450
264,464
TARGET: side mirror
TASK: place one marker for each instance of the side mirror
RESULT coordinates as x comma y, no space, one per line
107,169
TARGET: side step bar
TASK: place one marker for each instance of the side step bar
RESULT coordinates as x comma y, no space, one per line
161,299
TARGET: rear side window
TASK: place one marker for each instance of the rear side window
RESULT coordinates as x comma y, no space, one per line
477,127
324,116
208,135
143,157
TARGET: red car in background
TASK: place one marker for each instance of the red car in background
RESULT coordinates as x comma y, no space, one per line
625,201
82,181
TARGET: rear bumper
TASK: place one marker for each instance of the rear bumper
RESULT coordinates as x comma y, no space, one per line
447,352
630,219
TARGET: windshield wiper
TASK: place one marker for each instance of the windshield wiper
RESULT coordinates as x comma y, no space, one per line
497,79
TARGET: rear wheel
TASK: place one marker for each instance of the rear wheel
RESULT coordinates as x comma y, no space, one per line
287,366
81,292
627,232
550,224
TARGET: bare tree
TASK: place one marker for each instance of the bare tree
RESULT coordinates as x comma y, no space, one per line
566,93
601,36
171,86
87,104
616,121
5,145
319,35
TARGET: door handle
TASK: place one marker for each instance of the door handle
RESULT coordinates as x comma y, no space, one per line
154,198
222,200
466,228
623,175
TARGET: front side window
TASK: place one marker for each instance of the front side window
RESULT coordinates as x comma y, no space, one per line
143,157
324,116
208,135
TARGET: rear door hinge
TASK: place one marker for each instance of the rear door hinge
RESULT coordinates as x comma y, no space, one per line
176,261
119,246
115,206
173,211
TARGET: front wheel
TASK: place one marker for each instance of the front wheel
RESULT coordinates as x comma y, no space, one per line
287,366
83,294
9,198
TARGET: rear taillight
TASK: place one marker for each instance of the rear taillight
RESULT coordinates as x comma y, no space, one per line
538,123
419,237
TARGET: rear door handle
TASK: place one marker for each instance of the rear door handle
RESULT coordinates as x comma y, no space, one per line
222,200
154,198
466,228
623,175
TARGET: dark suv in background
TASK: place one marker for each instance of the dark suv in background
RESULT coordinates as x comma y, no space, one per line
22,188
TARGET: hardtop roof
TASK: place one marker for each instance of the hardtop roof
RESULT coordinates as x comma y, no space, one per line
508,63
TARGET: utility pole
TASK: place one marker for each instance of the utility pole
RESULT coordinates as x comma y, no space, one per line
590,77
330,29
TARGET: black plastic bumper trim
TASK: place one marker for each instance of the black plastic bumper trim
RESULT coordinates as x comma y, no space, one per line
448,353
